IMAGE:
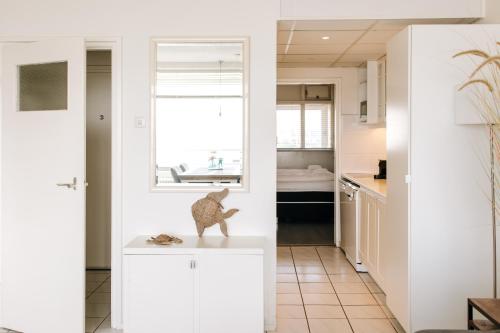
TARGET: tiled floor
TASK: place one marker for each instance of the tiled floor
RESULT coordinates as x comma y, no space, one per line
320,292
98,302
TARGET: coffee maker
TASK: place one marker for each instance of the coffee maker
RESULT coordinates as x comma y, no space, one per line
382,170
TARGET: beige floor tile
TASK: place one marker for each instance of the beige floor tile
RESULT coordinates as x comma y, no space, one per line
313,278
308,262
289,299
283,250
339,269
290,311
350,288
284,261
99,298
97,310
380,298
286,278
320,299
287,288
324,311
364,312
285,269
291,326
366,277
345,278
91,324
316,288
356,299
310,270
374,288
372,326
387,312
329,326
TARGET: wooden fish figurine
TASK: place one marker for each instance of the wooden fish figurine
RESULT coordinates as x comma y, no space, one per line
208,211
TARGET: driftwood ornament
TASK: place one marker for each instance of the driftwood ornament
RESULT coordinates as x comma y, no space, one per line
164,239
208,211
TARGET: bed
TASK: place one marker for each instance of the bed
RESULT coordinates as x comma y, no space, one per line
305,194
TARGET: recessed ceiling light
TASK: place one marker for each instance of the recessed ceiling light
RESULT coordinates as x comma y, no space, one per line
325,37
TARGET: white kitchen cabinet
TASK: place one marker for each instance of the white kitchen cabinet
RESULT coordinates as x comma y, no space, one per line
204,285
372,255
372,218
363,233
373,92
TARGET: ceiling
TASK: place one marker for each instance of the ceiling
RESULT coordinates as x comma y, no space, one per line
339,43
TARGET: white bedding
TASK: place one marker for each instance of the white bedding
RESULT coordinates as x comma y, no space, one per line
305,180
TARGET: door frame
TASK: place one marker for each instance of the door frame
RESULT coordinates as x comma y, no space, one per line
114,44
337,137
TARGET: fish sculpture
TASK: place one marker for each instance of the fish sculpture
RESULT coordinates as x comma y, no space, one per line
208,211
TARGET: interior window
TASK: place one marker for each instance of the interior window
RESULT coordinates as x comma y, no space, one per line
199,113
43,87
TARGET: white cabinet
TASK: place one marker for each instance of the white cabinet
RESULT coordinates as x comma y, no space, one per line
438,217
159,293
372,218
373,92
363,232
212,284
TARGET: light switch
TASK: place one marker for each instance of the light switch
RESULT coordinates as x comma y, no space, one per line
140,122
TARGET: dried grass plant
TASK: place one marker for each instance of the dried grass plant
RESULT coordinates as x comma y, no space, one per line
484,85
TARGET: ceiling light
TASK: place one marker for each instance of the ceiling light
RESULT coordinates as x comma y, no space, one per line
325,37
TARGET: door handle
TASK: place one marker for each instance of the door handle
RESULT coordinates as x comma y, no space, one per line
69,185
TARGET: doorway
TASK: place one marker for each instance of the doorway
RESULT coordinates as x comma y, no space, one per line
98,194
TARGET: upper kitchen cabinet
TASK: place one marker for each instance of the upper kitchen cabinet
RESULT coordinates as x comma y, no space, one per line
372,92
437,212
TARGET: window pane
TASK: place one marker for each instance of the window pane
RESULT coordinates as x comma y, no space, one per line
288,126
199,113
318,133
43,87
189,130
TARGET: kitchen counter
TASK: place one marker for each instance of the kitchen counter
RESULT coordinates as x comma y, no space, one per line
368,183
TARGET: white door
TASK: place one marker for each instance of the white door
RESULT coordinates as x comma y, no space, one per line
43,224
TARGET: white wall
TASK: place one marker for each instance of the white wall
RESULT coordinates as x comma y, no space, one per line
361,145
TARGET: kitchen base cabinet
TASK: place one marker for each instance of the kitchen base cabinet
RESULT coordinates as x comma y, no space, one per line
372,218
212,284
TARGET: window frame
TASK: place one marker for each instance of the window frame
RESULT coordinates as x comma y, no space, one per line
245,181
302,105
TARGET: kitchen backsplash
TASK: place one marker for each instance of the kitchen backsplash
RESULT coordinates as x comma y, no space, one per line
362,146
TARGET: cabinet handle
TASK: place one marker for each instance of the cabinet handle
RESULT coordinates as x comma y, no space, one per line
192,264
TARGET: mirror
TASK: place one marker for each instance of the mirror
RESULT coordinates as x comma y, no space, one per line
199,113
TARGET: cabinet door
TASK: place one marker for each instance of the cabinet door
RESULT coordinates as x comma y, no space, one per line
231,294
372,261
382,250
363,228
159,294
